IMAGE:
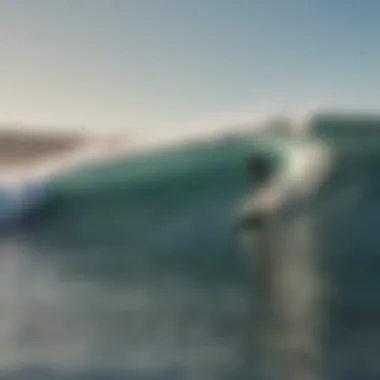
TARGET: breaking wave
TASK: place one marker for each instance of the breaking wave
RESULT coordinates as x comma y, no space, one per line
132,269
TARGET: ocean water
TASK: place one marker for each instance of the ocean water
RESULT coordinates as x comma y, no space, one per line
132,269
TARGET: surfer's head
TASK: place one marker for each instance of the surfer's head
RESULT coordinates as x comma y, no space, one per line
259,169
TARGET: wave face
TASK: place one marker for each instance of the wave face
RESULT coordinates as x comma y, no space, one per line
132,270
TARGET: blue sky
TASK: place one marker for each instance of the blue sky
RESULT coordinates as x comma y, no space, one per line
166,64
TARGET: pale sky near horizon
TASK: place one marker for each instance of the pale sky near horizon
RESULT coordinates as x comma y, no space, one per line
153,64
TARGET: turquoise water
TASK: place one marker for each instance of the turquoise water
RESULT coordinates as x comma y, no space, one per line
132,270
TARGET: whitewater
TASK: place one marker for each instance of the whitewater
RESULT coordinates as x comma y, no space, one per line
131,266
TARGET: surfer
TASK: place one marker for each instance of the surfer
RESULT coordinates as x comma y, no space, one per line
276,228
254,223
